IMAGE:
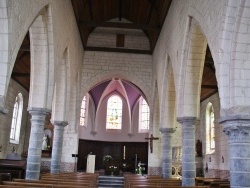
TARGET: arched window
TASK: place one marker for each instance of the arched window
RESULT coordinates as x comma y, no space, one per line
143,115
16,119
83,113
210,129
114,113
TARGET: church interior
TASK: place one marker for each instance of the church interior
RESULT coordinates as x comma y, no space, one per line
153,93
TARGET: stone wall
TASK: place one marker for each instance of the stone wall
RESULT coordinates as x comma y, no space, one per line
5,126
218,161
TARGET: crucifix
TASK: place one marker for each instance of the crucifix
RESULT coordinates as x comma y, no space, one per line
151,138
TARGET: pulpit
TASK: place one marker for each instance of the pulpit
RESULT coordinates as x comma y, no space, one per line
90,164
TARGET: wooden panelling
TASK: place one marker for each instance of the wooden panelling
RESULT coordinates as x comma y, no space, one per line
115,149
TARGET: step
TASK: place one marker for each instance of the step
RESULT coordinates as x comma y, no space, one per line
111,181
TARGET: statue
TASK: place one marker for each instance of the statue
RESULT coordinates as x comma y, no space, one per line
45,140
198,148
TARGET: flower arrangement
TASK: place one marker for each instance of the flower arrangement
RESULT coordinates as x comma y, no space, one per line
107,158
139,169
112,168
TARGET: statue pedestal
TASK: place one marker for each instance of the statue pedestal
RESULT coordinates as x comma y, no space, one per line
177,169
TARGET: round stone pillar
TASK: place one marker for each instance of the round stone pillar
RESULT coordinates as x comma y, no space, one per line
57,146
188,150
38,116
166,152
238,132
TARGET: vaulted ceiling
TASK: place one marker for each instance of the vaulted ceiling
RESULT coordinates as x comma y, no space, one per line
147,15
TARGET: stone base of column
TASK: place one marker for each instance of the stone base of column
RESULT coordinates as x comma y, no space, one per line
67,167
155,171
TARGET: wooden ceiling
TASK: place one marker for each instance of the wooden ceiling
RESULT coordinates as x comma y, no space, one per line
147,15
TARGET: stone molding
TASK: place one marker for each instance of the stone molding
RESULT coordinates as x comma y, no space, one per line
60,123
39,111
167,130
188,120
235,113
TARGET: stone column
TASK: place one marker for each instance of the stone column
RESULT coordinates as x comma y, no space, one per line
3,110
57,146
188,150
238,131
35,142
166,152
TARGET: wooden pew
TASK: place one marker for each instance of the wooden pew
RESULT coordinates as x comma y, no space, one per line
17,168
212,182
55,182
20,184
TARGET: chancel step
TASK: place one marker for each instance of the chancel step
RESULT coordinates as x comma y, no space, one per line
111,181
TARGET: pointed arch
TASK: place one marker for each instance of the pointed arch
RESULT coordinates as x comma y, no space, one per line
192,69
60,99
42,72
168,104
155,159
124,75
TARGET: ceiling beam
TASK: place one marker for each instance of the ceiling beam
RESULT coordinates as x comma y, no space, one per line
90,9
152,2
209,95
122,50
209,86
119,25
209,65
22,84
120,10
25,48
18,74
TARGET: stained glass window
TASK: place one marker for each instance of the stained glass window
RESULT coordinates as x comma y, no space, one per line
83,112
114,113
16,119
210,129
144,115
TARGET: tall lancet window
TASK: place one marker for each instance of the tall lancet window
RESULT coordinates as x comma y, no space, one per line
114,113
84,111
143,115
210,128
16,119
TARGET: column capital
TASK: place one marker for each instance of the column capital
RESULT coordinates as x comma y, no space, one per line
237,133
39,111
188,120
166,130
60,123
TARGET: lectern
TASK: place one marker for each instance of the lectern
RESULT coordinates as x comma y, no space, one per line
90,164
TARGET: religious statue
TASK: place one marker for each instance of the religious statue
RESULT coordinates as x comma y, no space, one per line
45,140
198,148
